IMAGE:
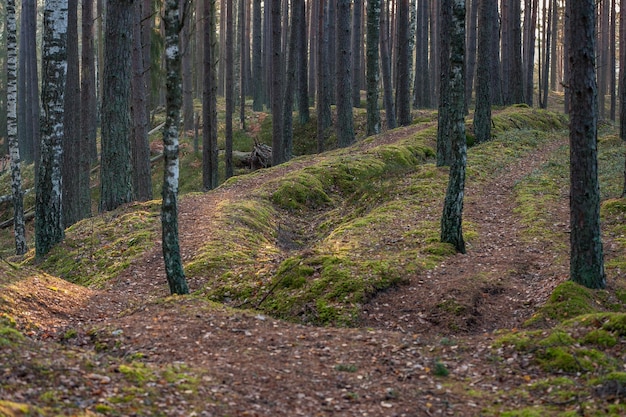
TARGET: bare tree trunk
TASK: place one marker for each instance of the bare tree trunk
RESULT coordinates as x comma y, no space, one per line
277,84
586,255
482,114
345,119
356,52
19,228
169,211
471,52
49,228
452,217
323,79
385,62
444,150
403,85
140,147
229,88
210,177
373,39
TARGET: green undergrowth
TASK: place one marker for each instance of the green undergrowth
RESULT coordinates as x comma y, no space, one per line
97,249
329,236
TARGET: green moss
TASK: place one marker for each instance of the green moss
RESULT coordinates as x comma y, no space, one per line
9,336
136,372
293,273
300,191
566,301
616,324
601,338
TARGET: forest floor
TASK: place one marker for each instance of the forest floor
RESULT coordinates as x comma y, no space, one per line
128,349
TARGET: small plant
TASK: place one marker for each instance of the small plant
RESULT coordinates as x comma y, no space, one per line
343,367
440,369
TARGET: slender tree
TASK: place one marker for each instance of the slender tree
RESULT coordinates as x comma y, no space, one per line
622,82
482,114
470,70
169,211
451,219
356,51
88,107
302,63
385,63
421,89
186,58
278,155
444,149
323,78
343,60
140,147
14,150
586,257
257,67
497,97
403,60
71,123
48,207
290,81
229,89
115,167
243,64
28,117
373,39
210,178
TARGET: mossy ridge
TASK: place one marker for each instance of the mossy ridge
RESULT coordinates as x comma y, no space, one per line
97,249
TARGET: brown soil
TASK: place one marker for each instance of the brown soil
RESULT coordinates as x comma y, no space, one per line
255,365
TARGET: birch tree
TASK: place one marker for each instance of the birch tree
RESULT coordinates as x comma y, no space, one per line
48,206
169,211
14,150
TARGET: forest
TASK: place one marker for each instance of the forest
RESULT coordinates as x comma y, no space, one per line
384,208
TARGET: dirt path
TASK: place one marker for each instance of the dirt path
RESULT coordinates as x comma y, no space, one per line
495,285
250,364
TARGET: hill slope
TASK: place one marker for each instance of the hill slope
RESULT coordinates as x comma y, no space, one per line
344,238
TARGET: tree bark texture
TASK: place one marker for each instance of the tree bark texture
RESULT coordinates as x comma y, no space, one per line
71,142
49,228
403,87
140,144
385,63
343,60
586,257
277,84
88,107
302,63
19,227
452,218
444,148
210,177
357,42
482,112
169,211
373,73
229,88
115,168
257,68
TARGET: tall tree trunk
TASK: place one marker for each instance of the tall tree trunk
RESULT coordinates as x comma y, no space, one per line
314,9
28,93
482,114
49,228
169,211
612,62
403,87
385,63
435,46
603,56
530,24
229,92
421,90
444,148
323,79
88,107
257,68
71,123
497,96
278,155
290,81
210,177
543,100
115,168
622,81
186,63
471,52
345,119
243,64
586,258
140,145
19,227
452,217
554,16
357,42
302,64
373,39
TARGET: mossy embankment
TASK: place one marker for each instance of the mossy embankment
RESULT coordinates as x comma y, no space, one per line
315,244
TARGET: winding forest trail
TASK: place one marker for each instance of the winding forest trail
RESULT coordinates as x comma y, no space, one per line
253,365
